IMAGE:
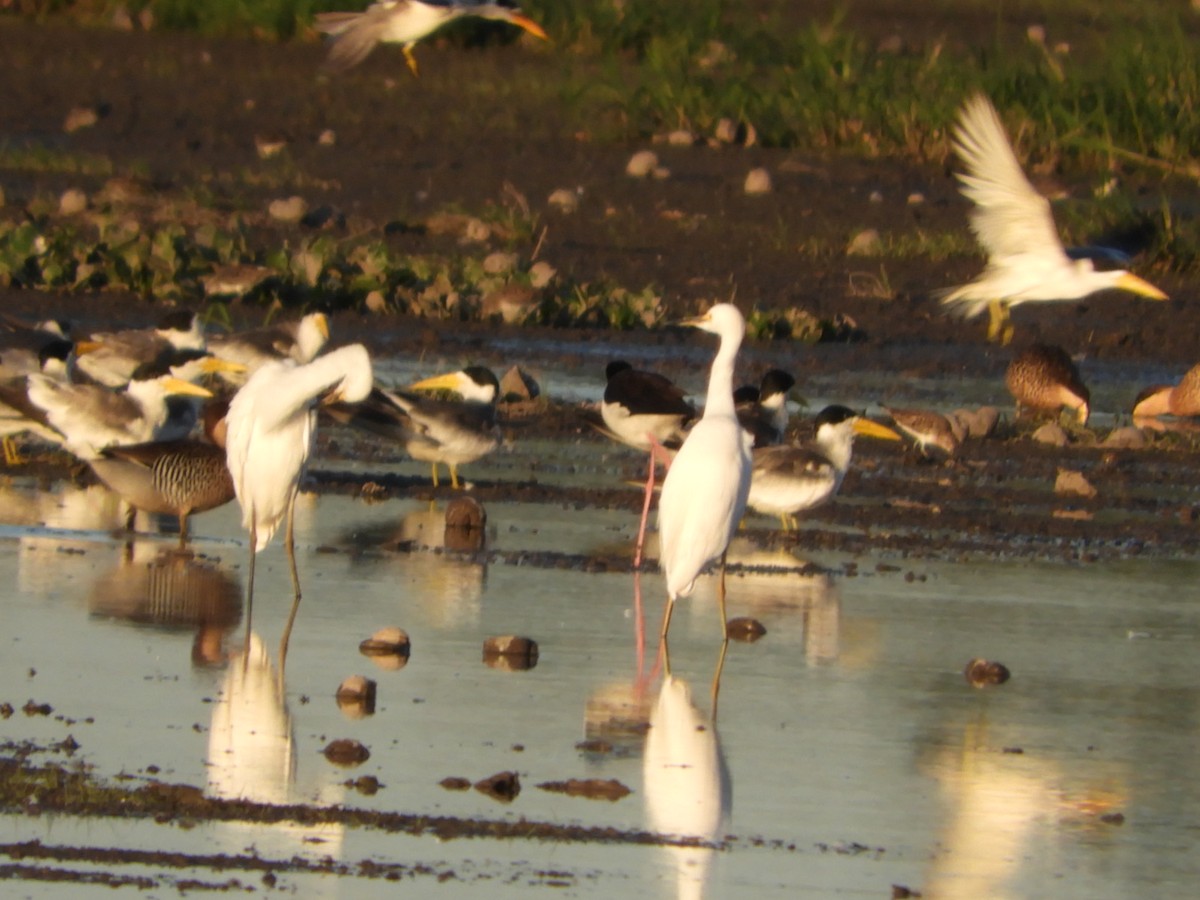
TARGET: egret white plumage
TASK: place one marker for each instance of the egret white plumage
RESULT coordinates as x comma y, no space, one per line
270,430
649,413
704,494
405,22
1026,259
763,410
790,479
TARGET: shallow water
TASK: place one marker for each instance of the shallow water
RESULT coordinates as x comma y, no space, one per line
849,753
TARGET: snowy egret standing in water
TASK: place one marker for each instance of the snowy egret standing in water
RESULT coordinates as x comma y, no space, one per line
704,494
271,426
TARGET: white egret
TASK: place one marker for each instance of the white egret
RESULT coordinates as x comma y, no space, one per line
1026,259
649,413
788,479
355,34
763,410
1182,399
704,494
270,430
1044,377
930,430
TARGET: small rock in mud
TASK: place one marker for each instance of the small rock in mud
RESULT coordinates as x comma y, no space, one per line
597,745
289,209
327,138
745,629
503,786
346,752
1114,818
500,262
981,673
866,243
37,709
758,181
541,273
1071,482
642,164
6,710
356,697
1051,433
902,892
593,788
390,641
977,423
455,783
80,117
368,785
1128,438
72,201
564,200
465,512
680,137
513,303
510,652
517,384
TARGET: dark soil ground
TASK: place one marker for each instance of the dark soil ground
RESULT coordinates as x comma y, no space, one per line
183,113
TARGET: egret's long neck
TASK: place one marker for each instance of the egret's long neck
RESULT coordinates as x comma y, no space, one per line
720,379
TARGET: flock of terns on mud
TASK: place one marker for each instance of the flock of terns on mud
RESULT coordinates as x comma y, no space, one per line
127,402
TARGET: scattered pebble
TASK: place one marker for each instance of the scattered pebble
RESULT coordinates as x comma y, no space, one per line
367,785
389,641
977,423
1127,438
758,181
541,274
745,629
726,131
375,303
327,138
266,148
1051,433
510,652
518,384
916,198
1071,482
80,117
455,783
72,201
866,243
564,200
642,164
903,892
500,262
356,697
346,752
681,137
981,673
503,786
1115,818
592,788
290,209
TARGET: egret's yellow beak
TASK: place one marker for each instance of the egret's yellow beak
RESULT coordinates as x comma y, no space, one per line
439,383
529,25
1133,284
868,428
178,387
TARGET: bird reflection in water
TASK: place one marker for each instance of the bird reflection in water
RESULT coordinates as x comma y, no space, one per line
687,789
251,748
173,590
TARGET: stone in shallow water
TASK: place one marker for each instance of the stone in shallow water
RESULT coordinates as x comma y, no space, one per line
510,652
745,629
982,672
346,752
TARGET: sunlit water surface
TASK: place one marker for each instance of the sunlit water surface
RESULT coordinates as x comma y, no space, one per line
849,753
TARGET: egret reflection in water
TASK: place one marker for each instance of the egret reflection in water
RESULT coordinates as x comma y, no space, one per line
687,789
